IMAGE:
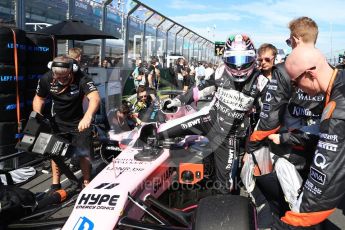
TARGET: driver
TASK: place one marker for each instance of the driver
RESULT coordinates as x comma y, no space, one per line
67,86
225,121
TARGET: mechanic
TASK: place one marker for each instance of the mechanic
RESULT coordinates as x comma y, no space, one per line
289,118
290,111
67,86
324,188
265,63
226,120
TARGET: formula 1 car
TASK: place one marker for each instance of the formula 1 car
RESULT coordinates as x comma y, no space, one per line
152,184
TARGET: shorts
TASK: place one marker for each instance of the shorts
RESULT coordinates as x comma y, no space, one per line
80,142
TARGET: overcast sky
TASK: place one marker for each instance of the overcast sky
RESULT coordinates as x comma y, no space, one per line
263,20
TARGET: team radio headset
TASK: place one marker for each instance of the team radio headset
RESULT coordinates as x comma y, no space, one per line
68,65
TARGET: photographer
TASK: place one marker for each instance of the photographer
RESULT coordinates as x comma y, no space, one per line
121,119
145,106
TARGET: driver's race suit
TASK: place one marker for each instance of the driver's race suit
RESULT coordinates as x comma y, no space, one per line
225,121
324,188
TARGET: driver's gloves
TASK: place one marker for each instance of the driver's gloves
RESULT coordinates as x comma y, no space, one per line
174,103
207,91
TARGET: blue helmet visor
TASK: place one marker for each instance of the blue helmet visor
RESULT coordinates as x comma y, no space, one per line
239,60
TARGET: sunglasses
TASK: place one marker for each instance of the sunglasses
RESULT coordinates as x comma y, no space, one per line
266,59
288,42
297,80
142,97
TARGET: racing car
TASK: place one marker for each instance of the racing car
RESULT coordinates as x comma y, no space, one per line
151,184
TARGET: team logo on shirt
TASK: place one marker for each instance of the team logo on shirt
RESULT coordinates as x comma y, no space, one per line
317,176
91,86
327,146
74,89
320,160
54,88
329,137
235,100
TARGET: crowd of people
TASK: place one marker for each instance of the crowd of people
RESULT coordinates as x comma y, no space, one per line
295,109
186,75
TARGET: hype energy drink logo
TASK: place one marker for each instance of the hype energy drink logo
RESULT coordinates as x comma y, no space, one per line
42,49
84,223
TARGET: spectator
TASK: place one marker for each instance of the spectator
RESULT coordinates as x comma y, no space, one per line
113,62
139,79
172,75
208,71
180,73
154,74
158,75
105,63
95,61
192,74
187,83
199,73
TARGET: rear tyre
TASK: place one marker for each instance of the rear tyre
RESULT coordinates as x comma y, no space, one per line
8,132
7,45
8,107
8,79
224,212
40,49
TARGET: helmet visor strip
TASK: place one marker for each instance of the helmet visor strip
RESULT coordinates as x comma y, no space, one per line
239,62
239,59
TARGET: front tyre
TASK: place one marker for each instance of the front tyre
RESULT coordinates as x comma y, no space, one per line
224,212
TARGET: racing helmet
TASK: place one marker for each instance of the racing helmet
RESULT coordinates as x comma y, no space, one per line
239,57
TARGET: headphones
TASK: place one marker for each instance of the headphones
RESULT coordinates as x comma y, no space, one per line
68,65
